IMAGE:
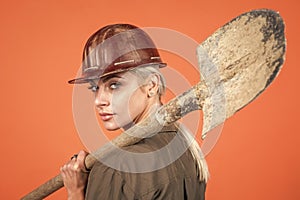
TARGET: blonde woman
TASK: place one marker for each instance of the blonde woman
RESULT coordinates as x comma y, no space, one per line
122,66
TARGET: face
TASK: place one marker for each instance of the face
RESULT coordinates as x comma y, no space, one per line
120,100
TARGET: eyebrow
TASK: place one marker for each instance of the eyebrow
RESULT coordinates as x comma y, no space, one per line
104,79
108,77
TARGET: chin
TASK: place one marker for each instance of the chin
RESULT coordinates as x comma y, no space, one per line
118,123
111,127
114,127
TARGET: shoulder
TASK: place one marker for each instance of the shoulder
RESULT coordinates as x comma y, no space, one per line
153,166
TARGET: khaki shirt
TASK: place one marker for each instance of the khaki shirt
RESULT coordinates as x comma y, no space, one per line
178,180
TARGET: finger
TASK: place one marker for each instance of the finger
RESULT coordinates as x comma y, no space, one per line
81,156
62,172
71,163
74,156
66,171
81,160
76,166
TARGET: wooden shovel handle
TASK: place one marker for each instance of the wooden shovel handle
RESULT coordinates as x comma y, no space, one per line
53,184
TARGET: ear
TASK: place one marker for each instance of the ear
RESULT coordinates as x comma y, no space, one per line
153,85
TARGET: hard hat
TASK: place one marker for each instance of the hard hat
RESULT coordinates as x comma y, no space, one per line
117,48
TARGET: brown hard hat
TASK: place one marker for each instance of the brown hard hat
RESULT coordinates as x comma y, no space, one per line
116,48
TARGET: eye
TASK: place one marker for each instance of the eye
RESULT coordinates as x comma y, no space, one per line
114,85
93,88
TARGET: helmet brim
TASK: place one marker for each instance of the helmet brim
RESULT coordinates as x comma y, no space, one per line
93,76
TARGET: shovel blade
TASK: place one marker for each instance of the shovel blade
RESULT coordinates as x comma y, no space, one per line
238,62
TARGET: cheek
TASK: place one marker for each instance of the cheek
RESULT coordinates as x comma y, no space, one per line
137,103
130,104
119,103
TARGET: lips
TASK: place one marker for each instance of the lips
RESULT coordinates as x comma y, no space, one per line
106,116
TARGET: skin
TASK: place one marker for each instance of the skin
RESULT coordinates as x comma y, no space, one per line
121,101
74,176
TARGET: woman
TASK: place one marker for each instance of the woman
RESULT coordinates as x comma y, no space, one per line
121,64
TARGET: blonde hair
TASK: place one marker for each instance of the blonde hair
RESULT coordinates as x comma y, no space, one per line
196,152
143,73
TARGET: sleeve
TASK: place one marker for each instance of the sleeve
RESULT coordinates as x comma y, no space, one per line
106,184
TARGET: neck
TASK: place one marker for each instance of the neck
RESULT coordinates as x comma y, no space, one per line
151,108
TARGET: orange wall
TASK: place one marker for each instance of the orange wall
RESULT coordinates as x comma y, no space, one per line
256,156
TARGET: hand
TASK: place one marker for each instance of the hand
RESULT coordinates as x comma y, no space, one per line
74,175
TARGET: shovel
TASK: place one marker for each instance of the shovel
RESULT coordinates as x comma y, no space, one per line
237,63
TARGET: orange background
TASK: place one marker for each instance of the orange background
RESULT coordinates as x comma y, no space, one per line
257,155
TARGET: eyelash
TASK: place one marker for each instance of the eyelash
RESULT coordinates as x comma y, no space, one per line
93,88
112,86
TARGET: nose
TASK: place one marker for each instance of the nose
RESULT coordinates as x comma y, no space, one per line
102,98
